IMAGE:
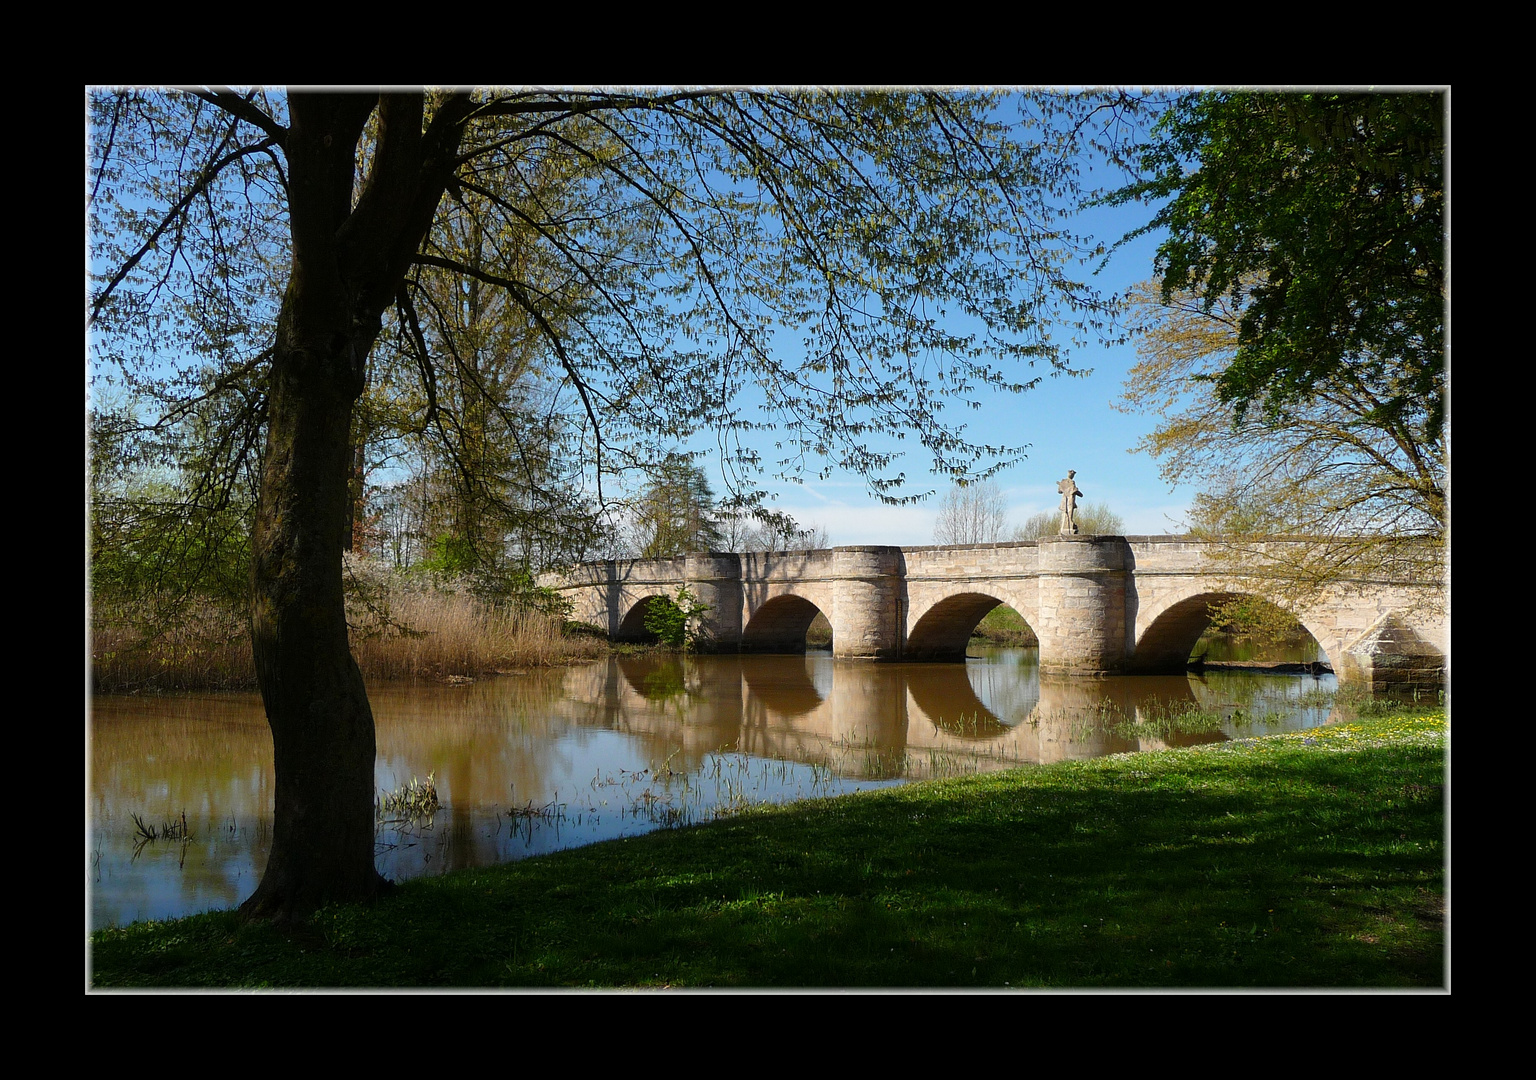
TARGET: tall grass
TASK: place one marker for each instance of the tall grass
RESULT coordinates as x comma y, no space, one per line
442,633
199,644
401,627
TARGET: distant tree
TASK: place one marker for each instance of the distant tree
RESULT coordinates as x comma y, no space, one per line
1093,519
971,514
759,529
676,513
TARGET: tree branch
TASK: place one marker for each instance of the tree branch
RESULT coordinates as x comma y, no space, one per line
242,108
206,177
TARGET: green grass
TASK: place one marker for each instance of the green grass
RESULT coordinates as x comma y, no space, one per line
1004,626
1312,859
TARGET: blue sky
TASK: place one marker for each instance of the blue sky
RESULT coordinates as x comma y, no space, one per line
1069,423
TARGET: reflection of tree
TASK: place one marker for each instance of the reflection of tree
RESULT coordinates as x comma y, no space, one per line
656,677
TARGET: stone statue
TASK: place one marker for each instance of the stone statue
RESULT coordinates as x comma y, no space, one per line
1069,493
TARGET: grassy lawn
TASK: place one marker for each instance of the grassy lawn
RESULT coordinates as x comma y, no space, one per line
1306,860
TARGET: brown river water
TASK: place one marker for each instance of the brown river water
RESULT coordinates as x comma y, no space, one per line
525,764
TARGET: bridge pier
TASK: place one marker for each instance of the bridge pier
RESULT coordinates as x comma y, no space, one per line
866,602
1391,658
714,578
1082,605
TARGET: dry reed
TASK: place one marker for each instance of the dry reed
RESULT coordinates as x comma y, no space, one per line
203,646
434,633
401,629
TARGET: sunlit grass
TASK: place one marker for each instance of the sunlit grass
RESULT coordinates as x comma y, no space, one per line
1004,626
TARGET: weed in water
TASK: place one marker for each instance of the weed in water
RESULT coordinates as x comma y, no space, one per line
416,801
146,833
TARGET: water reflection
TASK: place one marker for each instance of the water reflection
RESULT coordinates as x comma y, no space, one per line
531,763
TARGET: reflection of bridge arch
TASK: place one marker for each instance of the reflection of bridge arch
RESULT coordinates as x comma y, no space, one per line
779,624
947,697
784,685
942,628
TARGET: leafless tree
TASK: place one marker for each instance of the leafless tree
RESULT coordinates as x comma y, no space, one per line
973,514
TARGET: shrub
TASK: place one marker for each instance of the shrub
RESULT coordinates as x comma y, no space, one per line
671,620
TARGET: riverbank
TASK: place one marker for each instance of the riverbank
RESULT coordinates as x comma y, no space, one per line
409,631
1313,859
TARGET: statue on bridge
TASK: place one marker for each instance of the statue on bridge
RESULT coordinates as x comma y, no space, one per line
1069,494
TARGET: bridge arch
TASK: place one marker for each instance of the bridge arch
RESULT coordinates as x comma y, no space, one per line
942,628
632,624
1099,605
1169,635
947,696
779,624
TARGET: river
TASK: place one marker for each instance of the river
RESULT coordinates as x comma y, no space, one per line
524,764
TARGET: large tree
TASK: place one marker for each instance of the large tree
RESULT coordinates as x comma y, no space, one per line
1365,483
1318,221
1294,341
909,244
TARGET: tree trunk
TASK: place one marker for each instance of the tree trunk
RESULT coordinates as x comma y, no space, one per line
350,253
317,707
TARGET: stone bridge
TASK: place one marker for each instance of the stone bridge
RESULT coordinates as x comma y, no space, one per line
1099,604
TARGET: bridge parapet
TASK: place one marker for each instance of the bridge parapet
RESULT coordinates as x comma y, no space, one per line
758,567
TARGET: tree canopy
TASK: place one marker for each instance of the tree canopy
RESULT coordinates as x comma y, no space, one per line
1320,217
674,255
835,266
1294,340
